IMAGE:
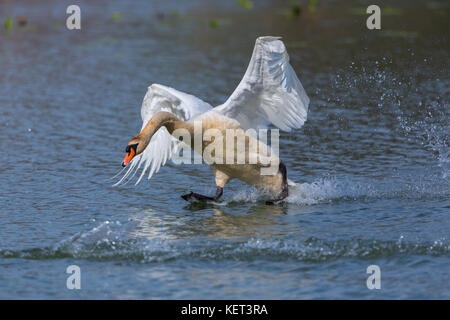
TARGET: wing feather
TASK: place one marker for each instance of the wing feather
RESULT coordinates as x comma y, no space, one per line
269,92
162,145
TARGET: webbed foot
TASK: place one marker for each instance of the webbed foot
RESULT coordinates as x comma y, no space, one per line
201,197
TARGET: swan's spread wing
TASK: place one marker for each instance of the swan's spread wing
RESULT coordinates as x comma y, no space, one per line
162,145
270,91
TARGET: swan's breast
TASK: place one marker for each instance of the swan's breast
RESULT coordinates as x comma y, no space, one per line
249,156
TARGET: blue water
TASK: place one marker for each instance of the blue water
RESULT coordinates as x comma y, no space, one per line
371,163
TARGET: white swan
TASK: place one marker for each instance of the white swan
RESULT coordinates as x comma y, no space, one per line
269,93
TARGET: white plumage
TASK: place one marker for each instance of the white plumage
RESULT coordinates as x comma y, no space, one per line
269,92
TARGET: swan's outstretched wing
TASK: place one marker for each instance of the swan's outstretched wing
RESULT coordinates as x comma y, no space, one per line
270,91
162,145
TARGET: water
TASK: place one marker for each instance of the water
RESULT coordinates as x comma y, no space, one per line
371,164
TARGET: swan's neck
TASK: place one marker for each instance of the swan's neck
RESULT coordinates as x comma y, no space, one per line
162,118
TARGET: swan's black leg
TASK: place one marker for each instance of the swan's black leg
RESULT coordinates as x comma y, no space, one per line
201,197
285,192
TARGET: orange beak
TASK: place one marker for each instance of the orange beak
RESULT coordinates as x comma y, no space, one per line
130,155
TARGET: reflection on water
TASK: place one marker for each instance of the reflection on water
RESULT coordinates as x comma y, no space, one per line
148,224
222,223
258,221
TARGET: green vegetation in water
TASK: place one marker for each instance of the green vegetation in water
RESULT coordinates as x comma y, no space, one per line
116,16
401,34
174,13
388,10
247,4
213,23
216,23
358,11
8,23
312,6
296,10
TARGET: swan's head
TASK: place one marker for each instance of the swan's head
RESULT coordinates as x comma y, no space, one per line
133,148
130,153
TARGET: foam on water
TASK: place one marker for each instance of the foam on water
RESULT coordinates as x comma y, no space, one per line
408,185
323,191
320,191
112,241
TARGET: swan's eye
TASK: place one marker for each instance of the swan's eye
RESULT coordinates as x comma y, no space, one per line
131,146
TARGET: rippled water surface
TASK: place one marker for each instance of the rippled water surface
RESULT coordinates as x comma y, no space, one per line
371,163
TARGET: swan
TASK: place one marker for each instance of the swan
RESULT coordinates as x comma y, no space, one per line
269,93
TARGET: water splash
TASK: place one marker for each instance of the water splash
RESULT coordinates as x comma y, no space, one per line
325,190
108,243
419,105
407,185
432,132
